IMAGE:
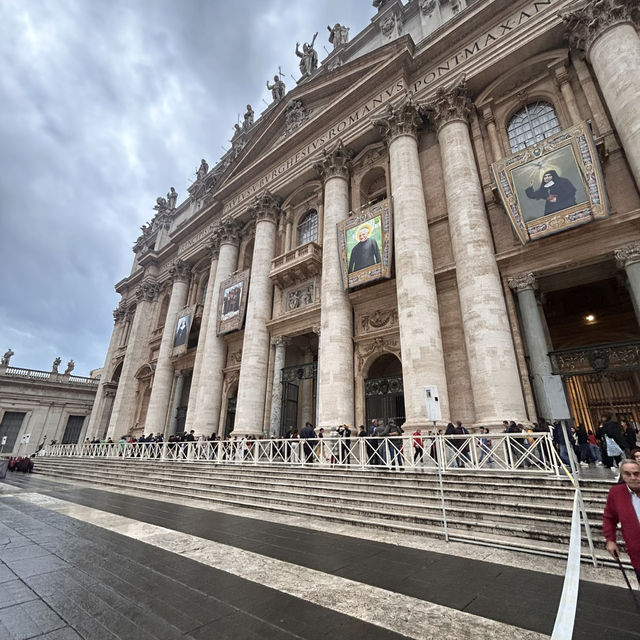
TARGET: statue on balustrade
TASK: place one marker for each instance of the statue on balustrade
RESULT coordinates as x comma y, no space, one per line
70,367
6,357
55,365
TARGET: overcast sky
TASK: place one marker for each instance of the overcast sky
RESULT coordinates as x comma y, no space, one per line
104,105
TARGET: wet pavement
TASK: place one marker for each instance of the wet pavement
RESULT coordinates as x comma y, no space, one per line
63,578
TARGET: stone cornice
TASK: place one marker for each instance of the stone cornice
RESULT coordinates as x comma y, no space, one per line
628,255
334,163
522,282
586,20
451,104
402,119
265,207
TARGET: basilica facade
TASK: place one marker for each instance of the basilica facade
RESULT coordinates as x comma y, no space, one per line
441,221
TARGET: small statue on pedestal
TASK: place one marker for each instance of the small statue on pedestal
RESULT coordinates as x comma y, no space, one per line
55,365
5,358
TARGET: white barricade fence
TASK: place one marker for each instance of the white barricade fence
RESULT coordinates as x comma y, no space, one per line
527,452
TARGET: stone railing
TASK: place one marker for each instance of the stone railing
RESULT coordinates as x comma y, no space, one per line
296,266
615,356
47,376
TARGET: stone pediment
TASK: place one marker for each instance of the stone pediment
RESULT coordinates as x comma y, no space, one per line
301,107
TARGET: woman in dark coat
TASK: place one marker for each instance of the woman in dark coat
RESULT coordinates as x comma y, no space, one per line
558,193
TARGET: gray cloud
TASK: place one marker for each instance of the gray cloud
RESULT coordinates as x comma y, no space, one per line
105,104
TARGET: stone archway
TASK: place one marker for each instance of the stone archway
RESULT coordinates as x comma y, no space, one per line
384,391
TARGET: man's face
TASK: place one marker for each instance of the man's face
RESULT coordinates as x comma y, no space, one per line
547,177
631,476
363,234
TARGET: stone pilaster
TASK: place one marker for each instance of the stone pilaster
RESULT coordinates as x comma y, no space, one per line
495,383
206,400
208,315
628,258
564,84
606,31
156,419
255,348
335,350
101,402
275,418
124,405
306,390
550,396
418,318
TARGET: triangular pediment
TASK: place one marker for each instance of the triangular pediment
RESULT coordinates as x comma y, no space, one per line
282,126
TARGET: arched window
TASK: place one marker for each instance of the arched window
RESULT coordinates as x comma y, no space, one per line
373,187
162,315
308,227
534,122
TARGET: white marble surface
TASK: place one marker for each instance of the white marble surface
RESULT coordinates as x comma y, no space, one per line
411,617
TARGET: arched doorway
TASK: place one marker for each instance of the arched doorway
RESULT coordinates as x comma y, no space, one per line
384,391
230,413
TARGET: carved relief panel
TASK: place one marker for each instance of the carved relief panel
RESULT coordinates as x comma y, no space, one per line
300,296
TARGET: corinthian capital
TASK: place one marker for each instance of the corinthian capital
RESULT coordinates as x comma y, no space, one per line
266,206
280,341
449,105
586,20
522,282
229,232
147,291
180,271
214,246
627,255
335,163
399,120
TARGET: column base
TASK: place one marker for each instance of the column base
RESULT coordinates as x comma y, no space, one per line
424,425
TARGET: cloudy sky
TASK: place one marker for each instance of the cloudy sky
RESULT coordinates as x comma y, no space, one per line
104,105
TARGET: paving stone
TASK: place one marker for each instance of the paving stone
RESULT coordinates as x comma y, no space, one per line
29,619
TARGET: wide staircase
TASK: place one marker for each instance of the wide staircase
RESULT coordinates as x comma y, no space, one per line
513,511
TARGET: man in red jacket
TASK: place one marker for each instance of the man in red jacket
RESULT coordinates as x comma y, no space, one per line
623,506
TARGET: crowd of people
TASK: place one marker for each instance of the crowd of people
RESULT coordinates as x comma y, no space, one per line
21,463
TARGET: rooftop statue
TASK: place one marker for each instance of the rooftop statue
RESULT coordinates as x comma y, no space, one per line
248,117
277,89
71,365
55,365
338,35
203,169
308,57
172,198
6,357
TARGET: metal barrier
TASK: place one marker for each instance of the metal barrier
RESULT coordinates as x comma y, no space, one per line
530,453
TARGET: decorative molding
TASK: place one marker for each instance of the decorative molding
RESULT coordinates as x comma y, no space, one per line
522,282
379,319
299,297
213,246
334,163
147,291
295,115
588,20
235,357
381,344
427,7
450,105
628,255
229,232
399,120
597,359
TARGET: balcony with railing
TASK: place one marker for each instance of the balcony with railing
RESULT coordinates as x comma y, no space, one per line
47,376
299,265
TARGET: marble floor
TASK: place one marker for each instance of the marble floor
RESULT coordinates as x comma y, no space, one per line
81,563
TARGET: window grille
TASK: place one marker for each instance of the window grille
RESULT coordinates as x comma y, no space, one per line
533,123
308,228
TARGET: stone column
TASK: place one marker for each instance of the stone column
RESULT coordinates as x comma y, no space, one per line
209,314
287,233
490,123
495,384
280,343
124,405
160,397
628,258
255,347
177,396
550,396
335,348
606,31
207,399
100,404
306,391
418,318
562,78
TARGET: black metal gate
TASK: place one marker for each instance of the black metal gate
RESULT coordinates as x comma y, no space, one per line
384,398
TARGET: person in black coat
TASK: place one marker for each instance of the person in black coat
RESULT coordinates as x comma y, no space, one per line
366,253
558,193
